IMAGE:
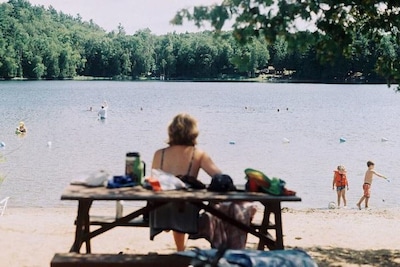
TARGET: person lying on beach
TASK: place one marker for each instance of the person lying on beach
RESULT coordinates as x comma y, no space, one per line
367,183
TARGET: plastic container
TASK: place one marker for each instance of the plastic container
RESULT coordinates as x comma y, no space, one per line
135,167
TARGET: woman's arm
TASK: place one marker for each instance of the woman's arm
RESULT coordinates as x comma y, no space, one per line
207,164
156,164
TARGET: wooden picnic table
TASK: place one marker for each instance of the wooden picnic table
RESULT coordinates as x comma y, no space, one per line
201,198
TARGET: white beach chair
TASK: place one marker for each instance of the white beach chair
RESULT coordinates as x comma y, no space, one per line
3,205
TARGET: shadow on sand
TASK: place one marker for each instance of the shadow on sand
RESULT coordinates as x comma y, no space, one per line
335,257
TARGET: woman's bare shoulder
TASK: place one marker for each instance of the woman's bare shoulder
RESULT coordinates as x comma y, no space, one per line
200,152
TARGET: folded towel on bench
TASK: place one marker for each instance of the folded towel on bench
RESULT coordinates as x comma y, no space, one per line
254,258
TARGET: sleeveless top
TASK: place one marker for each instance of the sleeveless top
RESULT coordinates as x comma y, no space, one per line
192,181
190,163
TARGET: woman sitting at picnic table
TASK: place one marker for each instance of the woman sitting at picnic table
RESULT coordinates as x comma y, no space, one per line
181,158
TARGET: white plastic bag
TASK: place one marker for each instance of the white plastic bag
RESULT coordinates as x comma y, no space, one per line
167,181
93,179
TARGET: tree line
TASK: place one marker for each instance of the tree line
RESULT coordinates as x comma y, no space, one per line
43,43
333,28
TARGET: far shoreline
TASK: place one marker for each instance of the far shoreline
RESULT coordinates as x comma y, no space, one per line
214,80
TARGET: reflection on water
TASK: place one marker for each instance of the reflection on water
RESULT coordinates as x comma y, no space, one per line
240,126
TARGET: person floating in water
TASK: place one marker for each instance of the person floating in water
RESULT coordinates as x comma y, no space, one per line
102,112
21,128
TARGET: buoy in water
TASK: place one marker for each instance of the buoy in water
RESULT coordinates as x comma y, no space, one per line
49,143
285,140
342,140
383,139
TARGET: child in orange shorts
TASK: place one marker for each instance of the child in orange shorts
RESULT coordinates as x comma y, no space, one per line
367,184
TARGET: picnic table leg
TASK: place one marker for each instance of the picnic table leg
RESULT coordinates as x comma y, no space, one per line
264,227
274,208
82,226
278,223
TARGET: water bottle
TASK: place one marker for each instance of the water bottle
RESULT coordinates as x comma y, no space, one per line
135,167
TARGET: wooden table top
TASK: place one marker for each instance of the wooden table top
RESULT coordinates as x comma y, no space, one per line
81,192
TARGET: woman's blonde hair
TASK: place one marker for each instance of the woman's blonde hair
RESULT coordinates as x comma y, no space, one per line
183,130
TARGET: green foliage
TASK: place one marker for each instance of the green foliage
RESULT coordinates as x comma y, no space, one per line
40,43
336,26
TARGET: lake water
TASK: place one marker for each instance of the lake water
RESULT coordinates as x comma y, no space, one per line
240,127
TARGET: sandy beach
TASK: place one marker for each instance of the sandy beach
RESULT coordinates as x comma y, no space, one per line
340,237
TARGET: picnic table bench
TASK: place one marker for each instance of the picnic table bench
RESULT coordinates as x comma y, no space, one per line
293,257
118,260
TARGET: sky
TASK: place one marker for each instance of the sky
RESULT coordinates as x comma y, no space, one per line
133,15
